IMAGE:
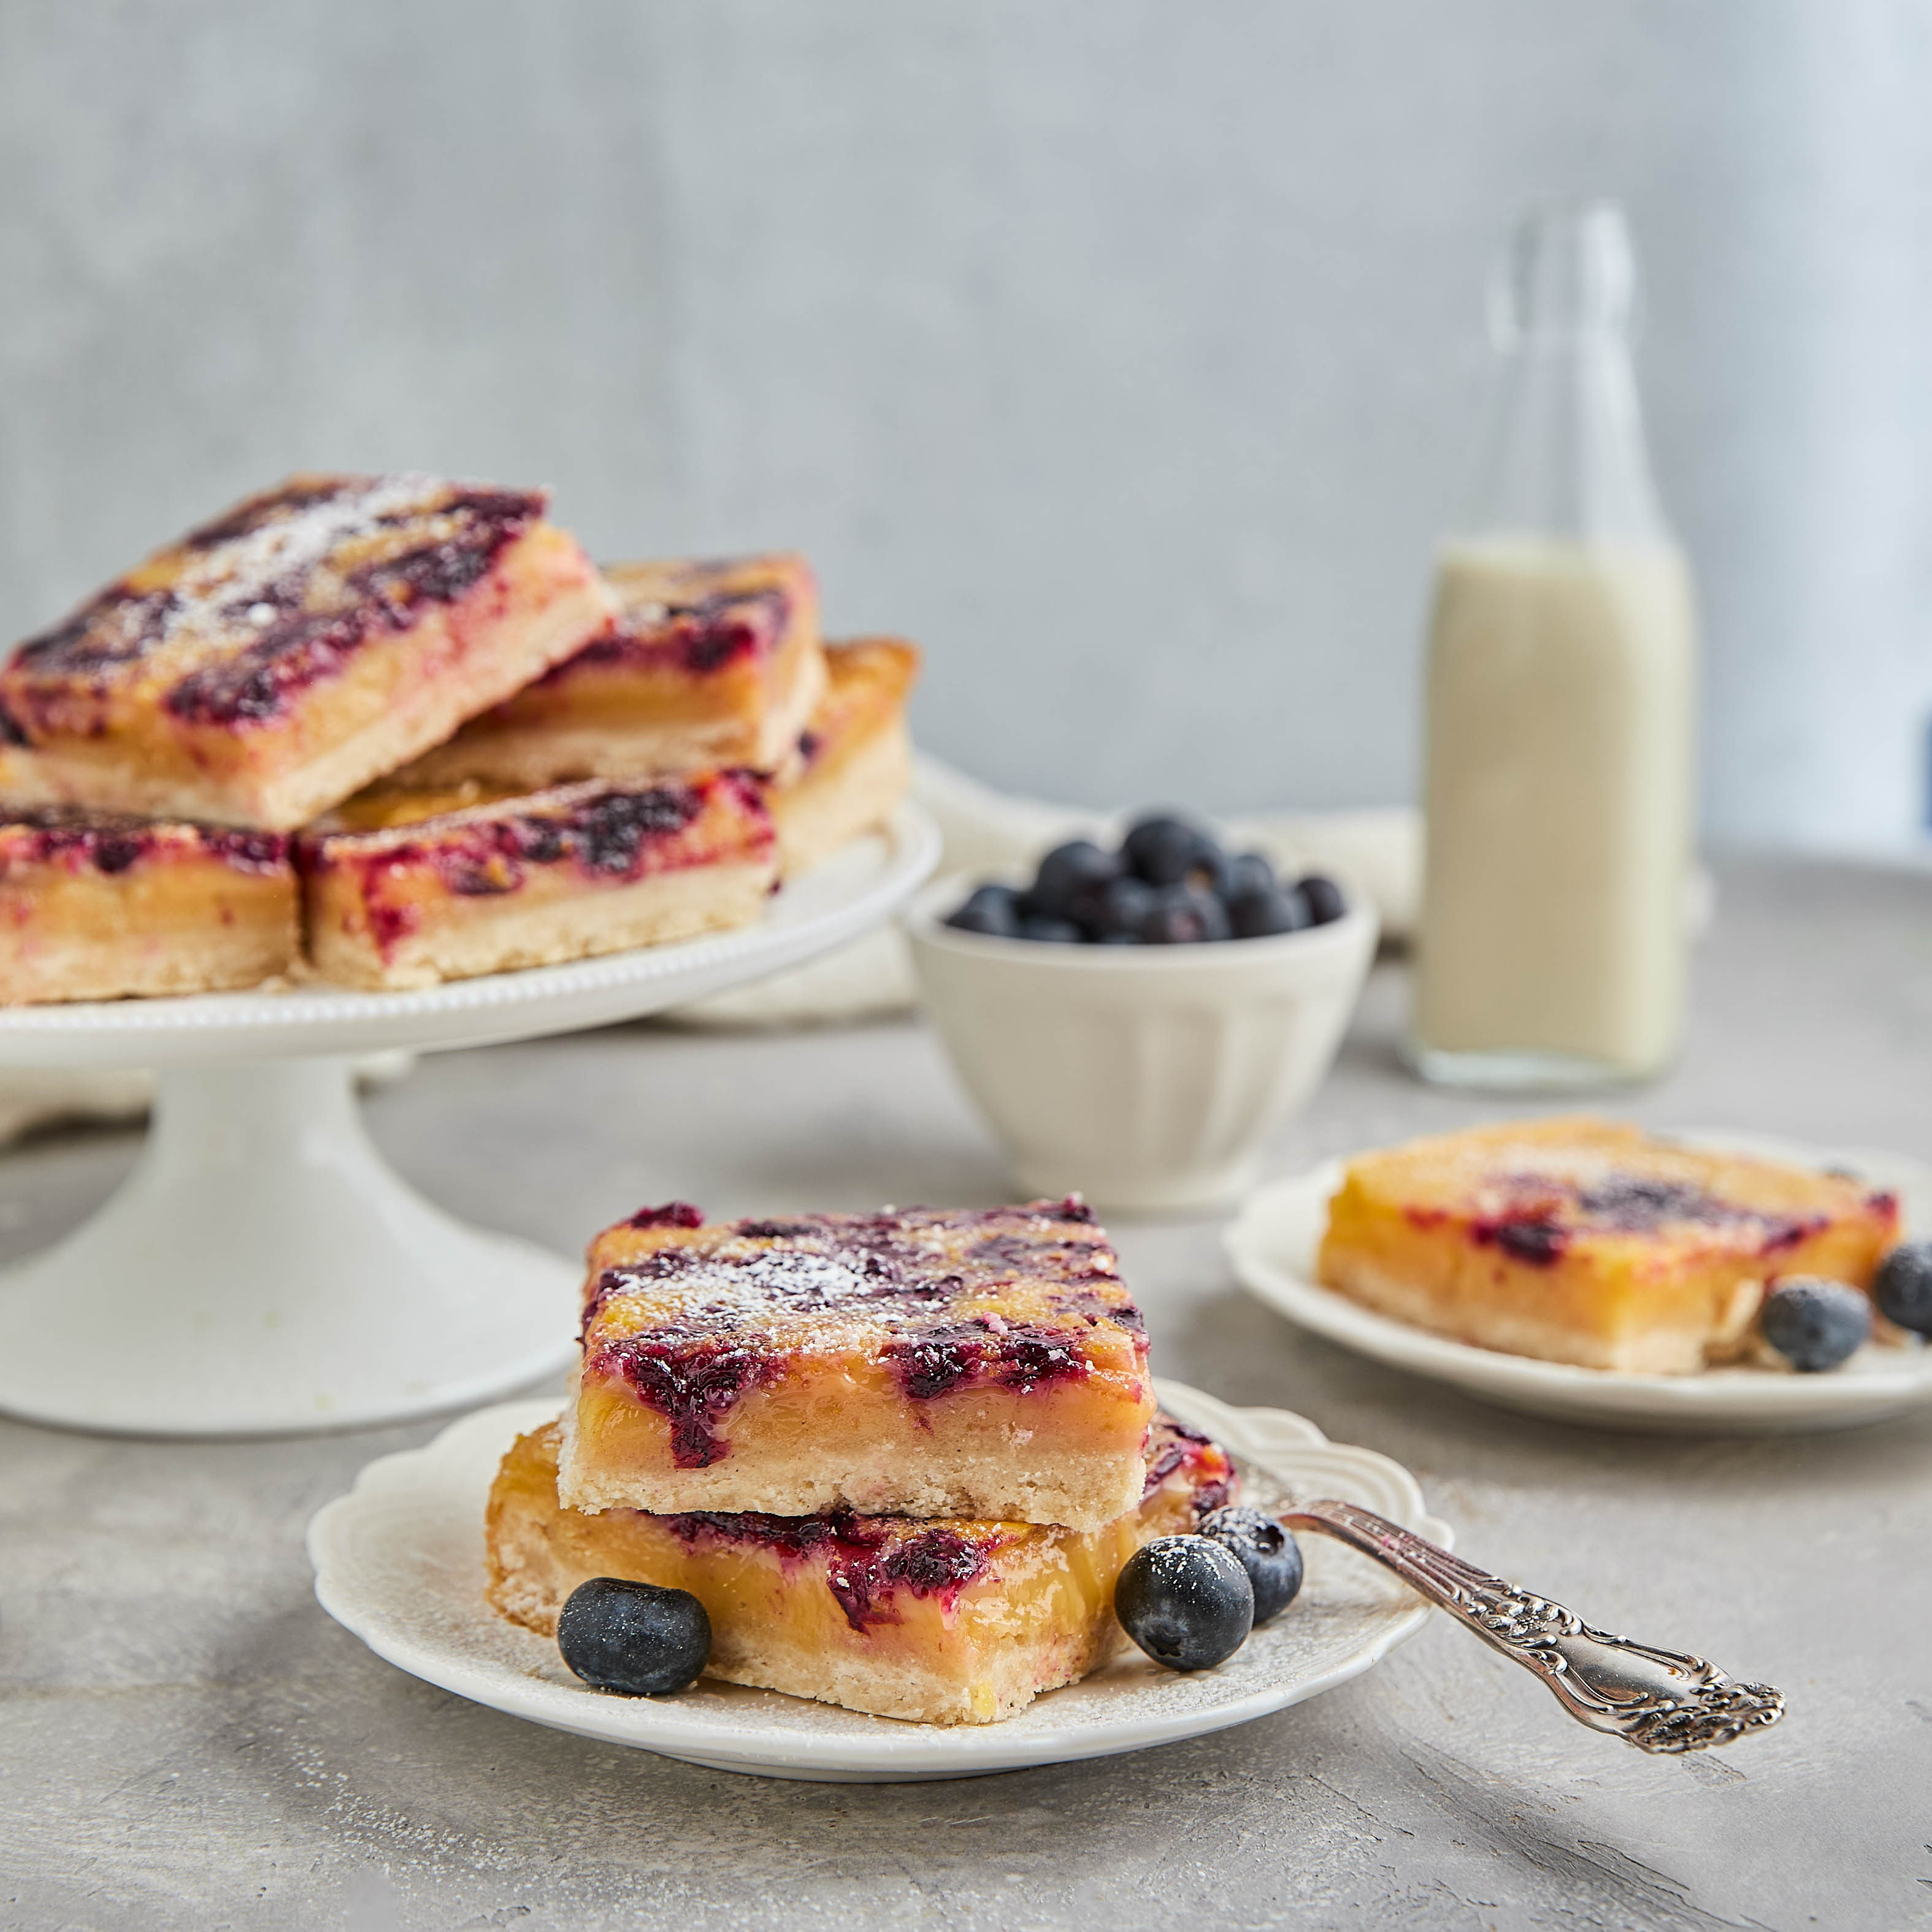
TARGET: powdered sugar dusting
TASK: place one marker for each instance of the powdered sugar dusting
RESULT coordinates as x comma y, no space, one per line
236,577
724,1292
796,1275
311,549
1013,1297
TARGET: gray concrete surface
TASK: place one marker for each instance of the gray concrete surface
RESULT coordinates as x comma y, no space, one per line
1126,354
187,1742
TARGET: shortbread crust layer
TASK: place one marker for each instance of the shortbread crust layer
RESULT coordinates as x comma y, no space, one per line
944,1622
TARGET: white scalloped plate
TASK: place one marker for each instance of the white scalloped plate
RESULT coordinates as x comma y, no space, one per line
854,891
1272,1244
399,1560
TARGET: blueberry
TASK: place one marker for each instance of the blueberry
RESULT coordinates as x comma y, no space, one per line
634,1638
1183,916
1903,1288
1247,872
1054,932
1166,850
1814,1324
1262,914
1323,898
1069,878
1121,908
992,910
1213,917
1186,1601
1265,1550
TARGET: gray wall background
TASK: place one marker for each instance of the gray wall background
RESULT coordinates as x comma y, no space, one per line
1125,353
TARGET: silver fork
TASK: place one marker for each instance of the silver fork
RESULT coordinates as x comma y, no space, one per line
1658,1700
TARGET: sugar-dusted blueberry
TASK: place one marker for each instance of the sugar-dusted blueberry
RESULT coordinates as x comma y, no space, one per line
1260,915
1069,878
1265,1550
1121,907
1247,872
1054,932
1323,898
1903,1287
1165,850
1813,1323
1183,916
635,1638
1186,1601
992,910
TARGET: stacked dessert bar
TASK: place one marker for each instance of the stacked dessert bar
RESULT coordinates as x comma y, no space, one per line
900,1458
396,730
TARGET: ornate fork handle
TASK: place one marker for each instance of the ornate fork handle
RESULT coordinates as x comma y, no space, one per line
1659,1700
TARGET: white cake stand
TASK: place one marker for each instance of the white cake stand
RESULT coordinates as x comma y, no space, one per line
263,1270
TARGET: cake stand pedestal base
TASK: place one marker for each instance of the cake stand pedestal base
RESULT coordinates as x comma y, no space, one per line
263,1270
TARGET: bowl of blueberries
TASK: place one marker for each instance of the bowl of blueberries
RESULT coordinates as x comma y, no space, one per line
1135,1018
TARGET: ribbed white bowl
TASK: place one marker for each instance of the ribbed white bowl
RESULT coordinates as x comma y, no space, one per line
1145,1077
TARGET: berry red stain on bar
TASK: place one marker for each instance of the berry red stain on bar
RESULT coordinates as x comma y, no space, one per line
672,1214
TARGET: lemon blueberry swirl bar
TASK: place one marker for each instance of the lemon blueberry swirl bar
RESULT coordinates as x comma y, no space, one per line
406,889
273,661
922,1363
947,1620
100,906
1586,1241
706,664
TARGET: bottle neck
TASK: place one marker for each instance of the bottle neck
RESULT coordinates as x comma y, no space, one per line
1564,455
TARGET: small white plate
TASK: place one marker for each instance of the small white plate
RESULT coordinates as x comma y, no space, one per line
399,1560
1272,1245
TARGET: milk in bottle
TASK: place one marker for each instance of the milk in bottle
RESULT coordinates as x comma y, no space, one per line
1558,754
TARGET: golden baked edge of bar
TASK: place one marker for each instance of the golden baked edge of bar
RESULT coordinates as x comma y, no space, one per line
863,765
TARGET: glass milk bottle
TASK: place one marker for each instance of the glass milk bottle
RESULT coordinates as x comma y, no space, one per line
1562,678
